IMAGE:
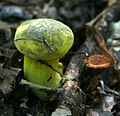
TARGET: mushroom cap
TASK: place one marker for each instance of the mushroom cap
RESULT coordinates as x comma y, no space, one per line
97,62
43,39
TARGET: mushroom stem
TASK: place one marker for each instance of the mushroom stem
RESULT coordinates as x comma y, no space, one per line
43,75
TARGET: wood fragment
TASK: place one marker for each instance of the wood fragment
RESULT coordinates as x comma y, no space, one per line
39,87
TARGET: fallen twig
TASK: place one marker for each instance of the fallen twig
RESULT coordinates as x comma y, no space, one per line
39,87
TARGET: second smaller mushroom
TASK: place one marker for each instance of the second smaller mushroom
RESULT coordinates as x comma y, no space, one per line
97,62
94,66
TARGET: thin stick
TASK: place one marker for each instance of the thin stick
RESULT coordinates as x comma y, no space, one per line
45,42
50,66
39,87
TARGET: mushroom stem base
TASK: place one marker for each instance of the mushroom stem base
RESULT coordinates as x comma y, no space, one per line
43,75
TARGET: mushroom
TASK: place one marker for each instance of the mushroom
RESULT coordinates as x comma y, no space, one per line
43,42
95,64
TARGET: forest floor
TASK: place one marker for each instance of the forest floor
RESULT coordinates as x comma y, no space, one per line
96,28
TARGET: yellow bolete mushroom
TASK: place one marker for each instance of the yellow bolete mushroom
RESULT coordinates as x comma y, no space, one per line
45,40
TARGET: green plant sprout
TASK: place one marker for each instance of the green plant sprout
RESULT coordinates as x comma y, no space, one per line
43,42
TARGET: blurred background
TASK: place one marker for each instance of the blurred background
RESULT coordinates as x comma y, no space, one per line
102,14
